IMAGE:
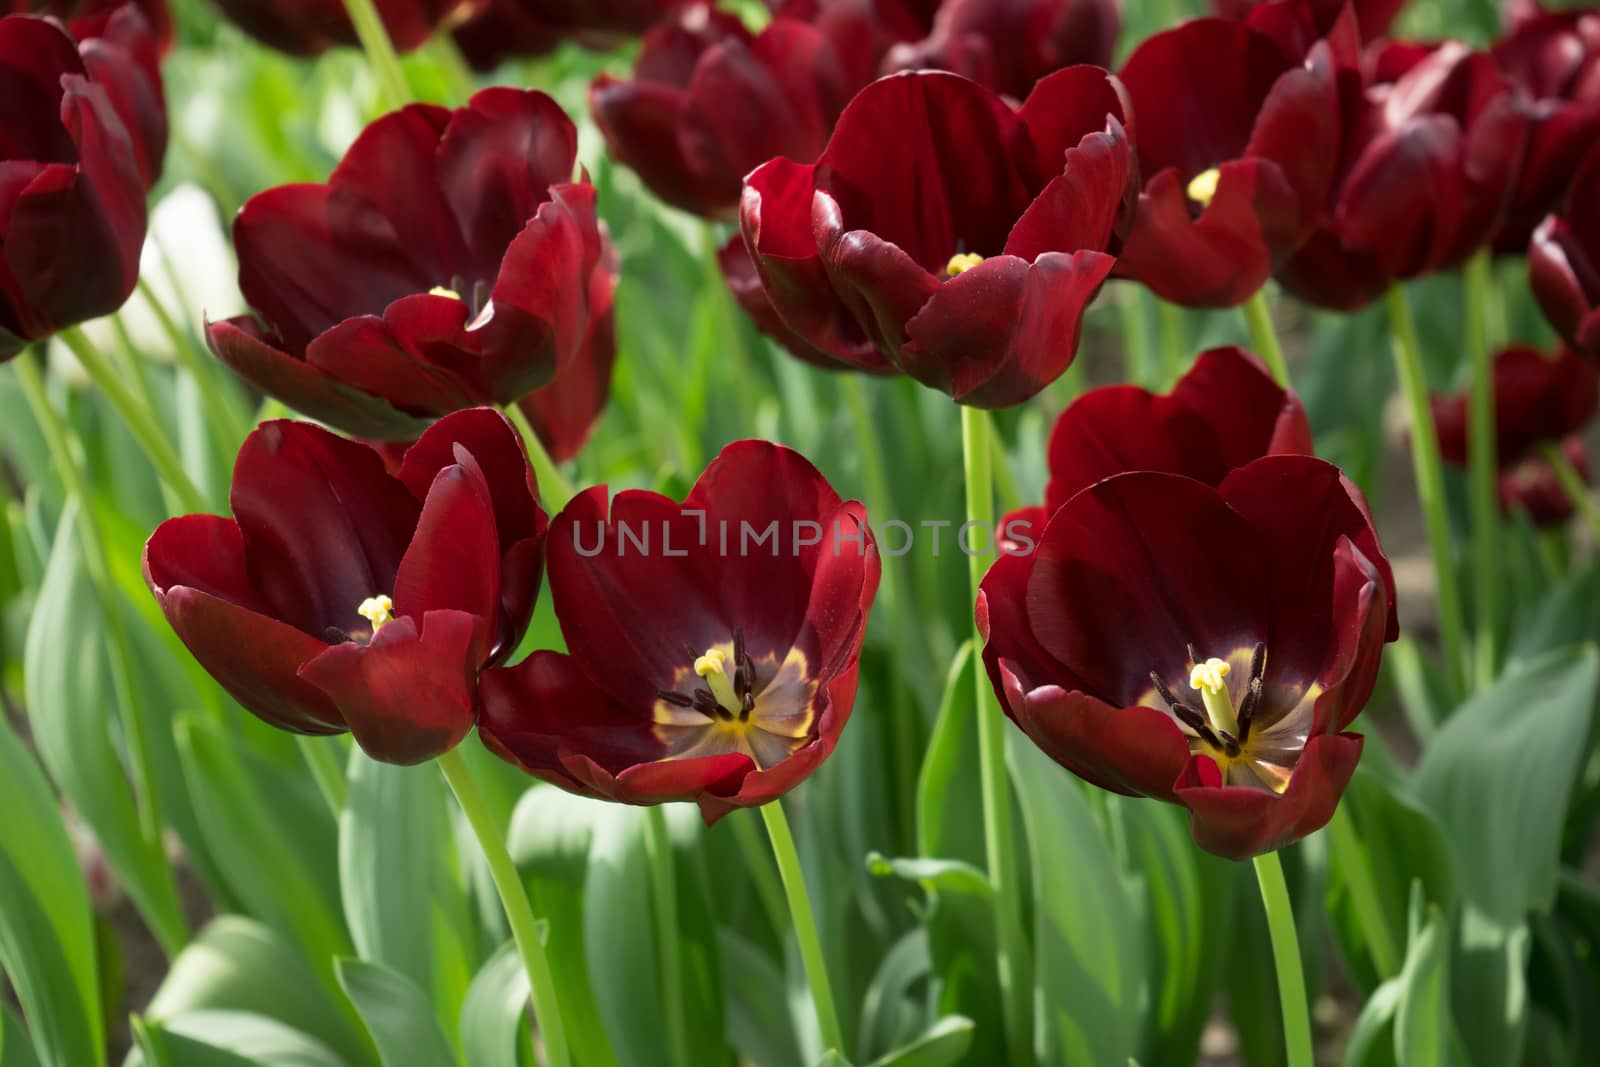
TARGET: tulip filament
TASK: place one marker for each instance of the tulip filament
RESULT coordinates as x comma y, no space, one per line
728,702
1221,727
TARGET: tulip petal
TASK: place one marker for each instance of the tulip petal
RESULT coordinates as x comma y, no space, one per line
453,561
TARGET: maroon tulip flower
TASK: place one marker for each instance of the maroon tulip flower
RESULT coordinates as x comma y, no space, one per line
309,27
512,28
712,645
709,101
1009,45
72,209
448,263
82,16
1373,17
1539,401
341,597
1564,262
1555,57
1237,144
1203,646
961,235
1429,159
564,412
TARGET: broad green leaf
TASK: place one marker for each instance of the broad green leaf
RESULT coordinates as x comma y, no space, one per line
240,965
16,1047
398,1016
494,1015
1498,775
1564,617
1088,969
759,1024
944,1043
891,1014
73,711
228,1039
46,927
271,836
1422,1023
1489,987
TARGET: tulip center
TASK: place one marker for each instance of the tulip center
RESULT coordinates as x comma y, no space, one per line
725,701
480,294
1203,186
377,610
1222,729
961,262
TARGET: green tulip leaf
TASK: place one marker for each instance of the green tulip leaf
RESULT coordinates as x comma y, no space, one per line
398,1015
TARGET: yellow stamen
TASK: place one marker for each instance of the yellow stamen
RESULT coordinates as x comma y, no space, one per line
962,262
713,667
377,610
1204,186
440,290
1210,680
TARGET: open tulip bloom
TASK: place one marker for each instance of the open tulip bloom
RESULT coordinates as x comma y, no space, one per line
341,597
702,665
1564,262
449,262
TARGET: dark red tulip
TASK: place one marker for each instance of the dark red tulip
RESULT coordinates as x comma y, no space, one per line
86,18
508,28
1238,142
122,46
447,263
1538,400
1373,17
1224,413
701,665
308,27
1555,57
1564,261
1203,646
1533,487
564,412
1429,158
72,196
959,233
709,101
343,597
1009,45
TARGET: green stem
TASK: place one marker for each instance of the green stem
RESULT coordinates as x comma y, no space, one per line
230,425
164,913
381,56
138,418
1430,485
325,771
553,485
1482,473
664,897
1000,843
514,899
1135,334
904,742
1357,870
1286,958
1572,484
1170,321
1264,338
805,924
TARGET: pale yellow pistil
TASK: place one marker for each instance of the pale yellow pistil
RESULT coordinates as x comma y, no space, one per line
1203,187
377,610
961,262
1210,680
713,667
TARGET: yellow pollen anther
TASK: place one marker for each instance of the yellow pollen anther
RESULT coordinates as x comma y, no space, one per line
440,290
1204,187
1208,677
377,610
962,262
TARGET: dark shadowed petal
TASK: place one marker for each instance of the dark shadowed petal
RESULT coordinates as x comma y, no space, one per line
1403,195
640,120
1360,609
122,53
1247,413
882,287
564,412
195,567
1537,398
417,356
409,695
1066,107
1136,751
258,359
1134,570
324,524
1080,207
1238,822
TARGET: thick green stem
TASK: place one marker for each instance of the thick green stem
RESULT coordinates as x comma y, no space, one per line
1430,486
325,770
381,56
164,913
141,422
514,899
664,898
1482,472
904,741
999,838
805,925
1572,484
1264,338
553,485
1357,870
1286,958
